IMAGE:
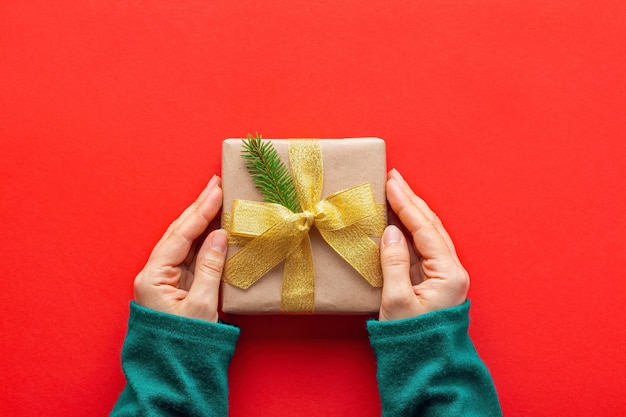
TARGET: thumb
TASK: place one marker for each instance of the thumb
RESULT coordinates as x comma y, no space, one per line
396,264
205,287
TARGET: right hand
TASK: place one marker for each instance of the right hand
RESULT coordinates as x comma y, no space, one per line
438,280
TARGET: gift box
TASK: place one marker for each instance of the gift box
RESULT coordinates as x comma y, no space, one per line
323,259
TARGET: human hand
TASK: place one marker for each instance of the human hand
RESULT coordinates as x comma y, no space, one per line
174,280
437,280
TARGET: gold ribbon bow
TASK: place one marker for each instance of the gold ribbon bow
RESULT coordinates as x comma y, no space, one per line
271,233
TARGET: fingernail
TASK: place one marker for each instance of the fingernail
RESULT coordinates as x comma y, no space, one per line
392,235
208,187
219,240
396,174
214,180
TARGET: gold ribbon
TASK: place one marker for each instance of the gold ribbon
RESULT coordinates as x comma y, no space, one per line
271,233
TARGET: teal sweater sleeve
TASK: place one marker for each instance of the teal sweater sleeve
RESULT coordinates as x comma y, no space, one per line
427,366
175,365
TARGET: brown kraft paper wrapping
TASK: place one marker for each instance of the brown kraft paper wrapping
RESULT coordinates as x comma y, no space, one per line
339,289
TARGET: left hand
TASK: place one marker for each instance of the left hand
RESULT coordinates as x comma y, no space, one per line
170,282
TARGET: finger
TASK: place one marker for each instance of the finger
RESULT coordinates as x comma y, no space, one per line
396,263
426,237
204,289
215,181
174,247
423,206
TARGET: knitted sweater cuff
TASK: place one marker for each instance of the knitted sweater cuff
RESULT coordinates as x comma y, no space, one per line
146,319
432,321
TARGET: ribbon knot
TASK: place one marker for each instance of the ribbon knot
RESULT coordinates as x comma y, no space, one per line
271,233
310,219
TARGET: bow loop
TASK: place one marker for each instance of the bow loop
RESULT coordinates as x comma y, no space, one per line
345,208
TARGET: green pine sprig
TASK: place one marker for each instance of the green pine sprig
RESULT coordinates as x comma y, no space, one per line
270,175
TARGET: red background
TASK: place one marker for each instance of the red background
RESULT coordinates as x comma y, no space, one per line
507,117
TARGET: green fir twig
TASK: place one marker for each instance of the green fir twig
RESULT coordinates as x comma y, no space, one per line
270,175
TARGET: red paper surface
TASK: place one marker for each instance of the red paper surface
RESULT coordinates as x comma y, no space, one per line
507,117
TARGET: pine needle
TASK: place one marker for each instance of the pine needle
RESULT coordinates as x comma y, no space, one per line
270,175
